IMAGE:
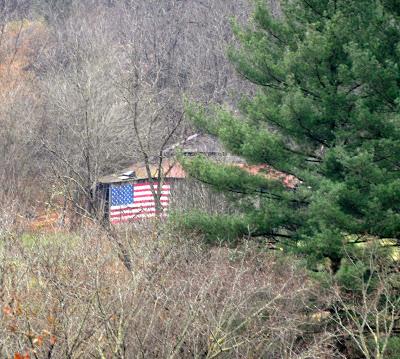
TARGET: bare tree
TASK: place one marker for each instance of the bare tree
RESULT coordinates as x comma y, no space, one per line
113,80
84,131
369,312
19,100
70,297
161,61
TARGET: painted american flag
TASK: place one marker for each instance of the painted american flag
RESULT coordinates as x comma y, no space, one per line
135,201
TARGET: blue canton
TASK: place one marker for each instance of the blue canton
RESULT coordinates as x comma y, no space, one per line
121,195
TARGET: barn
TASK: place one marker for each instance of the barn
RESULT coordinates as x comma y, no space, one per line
131,195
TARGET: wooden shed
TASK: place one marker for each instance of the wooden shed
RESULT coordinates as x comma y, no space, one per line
131,194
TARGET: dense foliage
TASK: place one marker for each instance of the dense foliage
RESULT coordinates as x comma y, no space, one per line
327,111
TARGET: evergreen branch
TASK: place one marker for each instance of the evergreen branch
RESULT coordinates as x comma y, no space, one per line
253,191
315,10
309,133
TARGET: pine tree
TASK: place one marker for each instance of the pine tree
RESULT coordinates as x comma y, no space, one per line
327,112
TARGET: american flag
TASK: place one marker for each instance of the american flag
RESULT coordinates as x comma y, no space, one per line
135,201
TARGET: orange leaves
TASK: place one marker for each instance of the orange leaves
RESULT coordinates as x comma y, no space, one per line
13,313
18,355
53,340
38,340
45,337
7,310
14,308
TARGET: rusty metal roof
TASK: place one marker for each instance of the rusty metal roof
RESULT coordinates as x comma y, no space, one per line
195,144
173,169
138,171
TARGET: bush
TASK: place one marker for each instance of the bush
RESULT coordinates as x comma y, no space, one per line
74,298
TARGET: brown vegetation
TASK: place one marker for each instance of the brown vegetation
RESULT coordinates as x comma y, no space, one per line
85,87
69,296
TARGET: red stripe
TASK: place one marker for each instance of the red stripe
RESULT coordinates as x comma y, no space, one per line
113,212
163,188
135,216
144,201
117,215
149,195
149,200
130,220
132,209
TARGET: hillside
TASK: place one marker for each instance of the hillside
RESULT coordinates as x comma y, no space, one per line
199,179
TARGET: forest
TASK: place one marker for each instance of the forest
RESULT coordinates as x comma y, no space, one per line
286,243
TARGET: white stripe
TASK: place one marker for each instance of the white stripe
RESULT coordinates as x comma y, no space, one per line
148,201
141,193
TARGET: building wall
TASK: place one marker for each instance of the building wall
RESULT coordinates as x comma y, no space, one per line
185,195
